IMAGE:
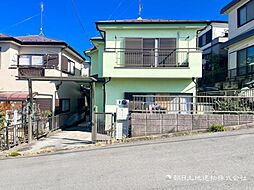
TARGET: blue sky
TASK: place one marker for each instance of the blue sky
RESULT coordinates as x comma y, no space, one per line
61,23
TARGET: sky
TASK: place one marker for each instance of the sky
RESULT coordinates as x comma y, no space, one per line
74,20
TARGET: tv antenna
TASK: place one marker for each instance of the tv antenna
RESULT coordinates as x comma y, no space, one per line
140,8
41,29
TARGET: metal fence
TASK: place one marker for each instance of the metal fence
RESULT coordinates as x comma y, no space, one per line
103,128
186,104
13,135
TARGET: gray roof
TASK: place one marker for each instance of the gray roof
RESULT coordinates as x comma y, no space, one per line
152,21
3,35
239,38
36,38
229,5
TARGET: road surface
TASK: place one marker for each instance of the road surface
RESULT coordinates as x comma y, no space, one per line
208,161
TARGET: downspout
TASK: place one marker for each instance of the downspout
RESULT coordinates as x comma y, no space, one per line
104,91
57,88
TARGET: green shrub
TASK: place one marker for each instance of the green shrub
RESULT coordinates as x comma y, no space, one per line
217,128
2,118
46,114
14,154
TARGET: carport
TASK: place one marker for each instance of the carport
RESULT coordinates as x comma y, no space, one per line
90,81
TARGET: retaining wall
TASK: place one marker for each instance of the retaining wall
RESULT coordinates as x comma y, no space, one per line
143,124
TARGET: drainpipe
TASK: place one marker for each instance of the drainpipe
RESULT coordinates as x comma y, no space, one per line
55,94
104,91
194,80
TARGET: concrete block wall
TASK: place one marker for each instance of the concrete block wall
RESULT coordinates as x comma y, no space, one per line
144,124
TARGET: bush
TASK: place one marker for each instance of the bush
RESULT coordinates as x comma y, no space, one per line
217,128
2,118
46,114
14,154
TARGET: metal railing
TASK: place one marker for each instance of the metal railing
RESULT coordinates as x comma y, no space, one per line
103,129
241,71
237,92
182,104
13,135
152,58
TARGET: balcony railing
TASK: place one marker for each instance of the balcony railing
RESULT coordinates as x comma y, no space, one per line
34,72
152,58
241,71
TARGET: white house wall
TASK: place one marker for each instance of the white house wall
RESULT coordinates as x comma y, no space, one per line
233,28
8,76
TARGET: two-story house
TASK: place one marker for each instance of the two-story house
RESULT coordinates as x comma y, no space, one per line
144,57
41,57
240,45
214,61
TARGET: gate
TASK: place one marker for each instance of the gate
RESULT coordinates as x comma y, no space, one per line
103,127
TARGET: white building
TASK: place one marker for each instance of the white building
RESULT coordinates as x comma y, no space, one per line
241,42
43,58
211,39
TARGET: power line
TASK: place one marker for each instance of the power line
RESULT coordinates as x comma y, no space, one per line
117,7
20,22
127,8
78,17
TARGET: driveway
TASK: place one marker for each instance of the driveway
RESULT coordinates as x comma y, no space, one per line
71,138
207,161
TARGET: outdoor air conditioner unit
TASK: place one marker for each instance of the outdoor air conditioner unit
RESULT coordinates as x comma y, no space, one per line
123,103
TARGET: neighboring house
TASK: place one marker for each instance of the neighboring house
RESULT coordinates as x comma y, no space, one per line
85,69
144,57
240,45
40,57
211,39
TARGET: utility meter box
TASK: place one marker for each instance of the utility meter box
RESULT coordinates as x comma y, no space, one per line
122,119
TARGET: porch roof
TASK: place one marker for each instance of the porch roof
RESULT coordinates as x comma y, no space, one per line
15,95
67,79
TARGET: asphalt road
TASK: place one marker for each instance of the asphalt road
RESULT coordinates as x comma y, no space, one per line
207,161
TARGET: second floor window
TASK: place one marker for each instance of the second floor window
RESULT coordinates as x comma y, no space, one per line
68,66
47,60
205,38
245,13
71,67
150,52
31,60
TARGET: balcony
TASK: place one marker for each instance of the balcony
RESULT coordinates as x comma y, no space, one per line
153,58
155,63
241,71
31,72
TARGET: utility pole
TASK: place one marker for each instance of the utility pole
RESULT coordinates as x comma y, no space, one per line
94,116
30,111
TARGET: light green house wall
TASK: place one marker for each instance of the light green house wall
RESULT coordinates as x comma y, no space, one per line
116,88
107,63
185,38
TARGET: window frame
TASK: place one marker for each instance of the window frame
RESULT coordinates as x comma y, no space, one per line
249,68
30,60
238,15
70,66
